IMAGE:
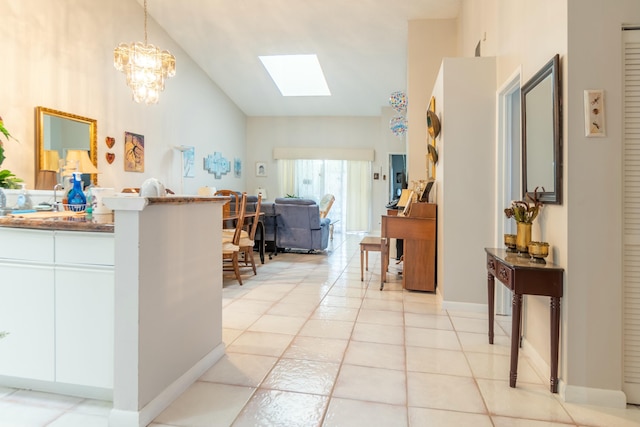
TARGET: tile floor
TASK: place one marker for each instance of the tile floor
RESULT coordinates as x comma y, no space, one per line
309,344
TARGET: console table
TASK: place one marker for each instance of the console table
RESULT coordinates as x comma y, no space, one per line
525,277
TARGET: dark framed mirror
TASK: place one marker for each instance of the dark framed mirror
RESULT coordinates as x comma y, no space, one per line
542,134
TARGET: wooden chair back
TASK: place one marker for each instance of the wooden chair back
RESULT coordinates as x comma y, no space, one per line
226,208
325,204
240,211
254,225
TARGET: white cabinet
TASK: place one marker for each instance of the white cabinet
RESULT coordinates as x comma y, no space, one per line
57,303
84,326
26,313
84,279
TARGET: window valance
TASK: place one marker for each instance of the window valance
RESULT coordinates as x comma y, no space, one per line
324,153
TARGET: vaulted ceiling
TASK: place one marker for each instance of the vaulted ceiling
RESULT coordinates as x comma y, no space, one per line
361,45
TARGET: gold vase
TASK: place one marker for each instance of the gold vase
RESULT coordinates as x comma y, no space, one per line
523,237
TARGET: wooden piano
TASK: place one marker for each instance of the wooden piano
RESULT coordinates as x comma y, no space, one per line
418,230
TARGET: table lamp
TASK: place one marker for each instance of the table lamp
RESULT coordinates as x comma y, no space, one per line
78,160
47,175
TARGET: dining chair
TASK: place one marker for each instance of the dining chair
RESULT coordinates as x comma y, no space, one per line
226,208
231,242
247,238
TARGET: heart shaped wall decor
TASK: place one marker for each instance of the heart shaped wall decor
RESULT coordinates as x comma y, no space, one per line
110,157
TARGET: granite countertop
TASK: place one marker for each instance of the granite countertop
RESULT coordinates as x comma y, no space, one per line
185,199
95,223
76,223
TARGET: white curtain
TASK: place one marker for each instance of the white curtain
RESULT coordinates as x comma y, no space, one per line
359,189
348,180
286,177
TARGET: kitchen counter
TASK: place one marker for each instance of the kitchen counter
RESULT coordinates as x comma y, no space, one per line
98,223
89,305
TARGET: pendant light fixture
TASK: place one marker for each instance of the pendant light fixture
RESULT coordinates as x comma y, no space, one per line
145,66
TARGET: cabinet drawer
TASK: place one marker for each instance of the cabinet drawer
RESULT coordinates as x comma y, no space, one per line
491,264
79,248
504,274
26,245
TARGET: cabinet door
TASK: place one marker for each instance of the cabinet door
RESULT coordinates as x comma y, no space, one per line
26,313
84,326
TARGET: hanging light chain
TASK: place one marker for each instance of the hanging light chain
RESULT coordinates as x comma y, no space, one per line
145,22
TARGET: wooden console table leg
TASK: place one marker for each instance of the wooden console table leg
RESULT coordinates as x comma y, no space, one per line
261,242
555,338
515,338
361,262
491,284
384,258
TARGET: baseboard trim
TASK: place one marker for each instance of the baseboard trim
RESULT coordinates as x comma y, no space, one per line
592,396
572,393
143,417
87,392
465,306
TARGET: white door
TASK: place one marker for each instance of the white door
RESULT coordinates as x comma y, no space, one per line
631,215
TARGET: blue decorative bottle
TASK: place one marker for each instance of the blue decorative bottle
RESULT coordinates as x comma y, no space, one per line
76,198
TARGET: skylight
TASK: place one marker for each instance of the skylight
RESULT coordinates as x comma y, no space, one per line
296,75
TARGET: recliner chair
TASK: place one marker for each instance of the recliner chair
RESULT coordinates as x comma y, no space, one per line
299,225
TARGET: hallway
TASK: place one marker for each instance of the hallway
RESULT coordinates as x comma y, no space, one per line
309,344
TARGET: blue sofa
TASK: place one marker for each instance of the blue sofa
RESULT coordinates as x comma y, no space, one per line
291,223
298,223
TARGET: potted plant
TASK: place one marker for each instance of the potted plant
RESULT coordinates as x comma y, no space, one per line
524,212
7,179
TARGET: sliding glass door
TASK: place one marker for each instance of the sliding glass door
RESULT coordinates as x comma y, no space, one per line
348,180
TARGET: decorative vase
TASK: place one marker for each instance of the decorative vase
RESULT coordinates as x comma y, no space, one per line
523,237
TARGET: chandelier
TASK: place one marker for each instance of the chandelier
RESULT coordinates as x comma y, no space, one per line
146,67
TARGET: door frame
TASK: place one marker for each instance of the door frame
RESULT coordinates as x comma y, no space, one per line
505,180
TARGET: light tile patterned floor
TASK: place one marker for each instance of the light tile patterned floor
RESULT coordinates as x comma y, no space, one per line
309,344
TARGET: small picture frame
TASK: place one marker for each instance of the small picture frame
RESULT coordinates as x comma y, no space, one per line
594,120
261,169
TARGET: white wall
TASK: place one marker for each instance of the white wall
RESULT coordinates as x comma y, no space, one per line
265,133
430,40
525,34
465,103
586,34
60,55
594,185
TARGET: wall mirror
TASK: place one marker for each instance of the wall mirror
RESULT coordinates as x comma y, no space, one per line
57,133
541,134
